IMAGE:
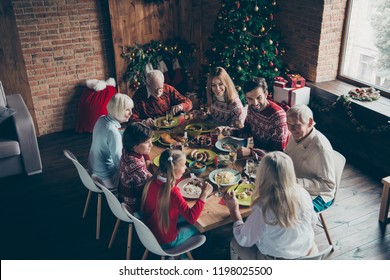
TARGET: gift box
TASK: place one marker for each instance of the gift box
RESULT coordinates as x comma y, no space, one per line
292,96
280,82
295,81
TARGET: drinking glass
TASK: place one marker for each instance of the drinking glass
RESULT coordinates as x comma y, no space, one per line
250,168
232,156
169,117
218,181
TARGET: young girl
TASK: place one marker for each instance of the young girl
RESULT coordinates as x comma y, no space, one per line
162,202
222,99
134,164
282,219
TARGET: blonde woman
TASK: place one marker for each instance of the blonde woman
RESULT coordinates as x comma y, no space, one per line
282,219
162,202
106,149
223,101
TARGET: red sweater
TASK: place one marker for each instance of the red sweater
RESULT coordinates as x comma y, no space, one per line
151,107
268,128
178,206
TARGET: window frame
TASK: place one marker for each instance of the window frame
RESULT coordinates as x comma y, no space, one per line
343,44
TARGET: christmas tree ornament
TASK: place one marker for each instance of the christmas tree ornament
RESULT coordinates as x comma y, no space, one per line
258,67
271,42
262,29
271,64
244,28
238,4
238,88
256,8
239,68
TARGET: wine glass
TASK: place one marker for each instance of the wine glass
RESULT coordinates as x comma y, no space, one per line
232,156
250,168
218,181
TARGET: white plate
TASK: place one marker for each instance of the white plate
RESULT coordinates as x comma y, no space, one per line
183,183
237,178
236,142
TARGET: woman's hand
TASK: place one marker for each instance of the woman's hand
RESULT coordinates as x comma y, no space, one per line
148,122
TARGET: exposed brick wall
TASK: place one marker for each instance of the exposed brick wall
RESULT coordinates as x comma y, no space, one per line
64,42
311,32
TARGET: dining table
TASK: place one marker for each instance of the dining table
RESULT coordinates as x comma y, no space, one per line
215,213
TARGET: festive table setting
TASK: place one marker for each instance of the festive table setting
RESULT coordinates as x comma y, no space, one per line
211,157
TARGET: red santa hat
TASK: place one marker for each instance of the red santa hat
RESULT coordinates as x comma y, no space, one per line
98,85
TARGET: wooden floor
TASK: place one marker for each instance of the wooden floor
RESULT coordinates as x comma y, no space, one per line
41,215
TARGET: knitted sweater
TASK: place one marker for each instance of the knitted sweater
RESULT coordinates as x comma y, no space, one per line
149,107
178,207
227,113
133,176
268,128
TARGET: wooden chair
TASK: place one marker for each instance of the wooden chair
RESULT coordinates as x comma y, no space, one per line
117,210
385,201
90,185
339,163
151,244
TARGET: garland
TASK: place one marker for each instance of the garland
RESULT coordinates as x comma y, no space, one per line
139,56
345,102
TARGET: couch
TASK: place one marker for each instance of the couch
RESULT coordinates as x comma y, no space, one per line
19,150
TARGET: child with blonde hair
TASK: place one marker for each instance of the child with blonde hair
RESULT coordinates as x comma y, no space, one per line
282,219
164,209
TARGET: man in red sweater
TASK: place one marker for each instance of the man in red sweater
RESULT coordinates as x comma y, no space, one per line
266,121
156,98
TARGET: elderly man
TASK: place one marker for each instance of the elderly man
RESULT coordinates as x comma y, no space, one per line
265,121
312,155
156,98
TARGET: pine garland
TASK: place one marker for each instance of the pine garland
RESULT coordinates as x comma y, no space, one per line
345,102
138,56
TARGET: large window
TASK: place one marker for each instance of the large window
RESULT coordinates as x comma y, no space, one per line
366,50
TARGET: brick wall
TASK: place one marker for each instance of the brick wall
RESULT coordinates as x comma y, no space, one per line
64,42
311,32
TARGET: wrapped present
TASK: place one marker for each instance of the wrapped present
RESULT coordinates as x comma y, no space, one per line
295,81
280,82
292,96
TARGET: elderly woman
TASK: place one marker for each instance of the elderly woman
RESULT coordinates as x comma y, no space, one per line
156,98
135,161
106,148
223,101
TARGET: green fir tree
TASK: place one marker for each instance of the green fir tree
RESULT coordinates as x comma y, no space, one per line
245,41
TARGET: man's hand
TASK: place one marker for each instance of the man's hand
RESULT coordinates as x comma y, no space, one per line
176,109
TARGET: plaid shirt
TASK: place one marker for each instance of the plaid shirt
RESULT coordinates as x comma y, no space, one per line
149,107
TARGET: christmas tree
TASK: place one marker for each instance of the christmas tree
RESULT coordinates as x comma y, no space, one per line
245,41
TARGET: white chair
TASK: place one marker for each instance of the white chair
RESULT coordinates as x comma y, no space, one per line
117,210
151,244
90,185
339,163
322,255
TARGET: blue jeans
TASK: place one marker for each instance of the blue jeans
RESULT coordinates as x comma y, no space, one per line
320,205
185,232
